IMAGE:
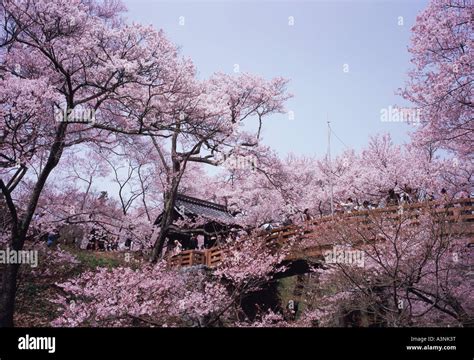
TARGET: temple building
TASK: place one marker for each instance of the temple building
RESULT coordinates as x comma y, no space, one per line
198,223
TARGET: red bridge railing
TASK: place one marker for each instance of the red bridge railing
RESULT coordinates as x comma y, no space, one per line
456,211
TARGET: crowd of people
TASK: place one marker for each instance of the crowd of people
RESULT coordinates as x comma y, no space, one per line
196,242
98,240
393,197
396,196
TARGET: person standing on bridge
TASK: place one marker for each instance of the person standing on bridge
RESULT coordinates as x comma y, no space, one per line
177,247
200,241
392,198
444,198
349,206
307,215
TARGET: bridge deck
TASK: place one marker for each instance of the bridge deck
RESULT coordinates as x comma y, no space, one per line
459,214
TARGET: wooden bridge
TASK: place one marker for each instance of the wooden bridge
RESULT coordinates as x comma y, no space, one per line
458,214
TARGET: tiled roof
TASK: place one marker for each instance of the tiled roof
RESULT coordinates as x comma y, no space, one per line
206,209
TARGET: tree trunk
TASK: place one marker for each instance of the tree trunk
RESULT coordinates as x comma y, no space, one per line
166,221
7,294
9,281
462,316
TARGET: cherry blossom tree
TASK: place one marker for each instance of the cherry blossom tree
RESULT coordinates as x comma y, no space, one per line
61,60
203,126
88,99
254,189
413,273
209,125
76,73
440,84
155,295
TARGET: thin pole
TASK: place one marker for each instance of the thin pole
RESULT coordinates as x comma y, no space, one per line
330,167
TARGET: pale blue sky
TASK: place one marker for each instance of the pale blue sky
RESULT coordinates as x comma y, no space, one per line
256,35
